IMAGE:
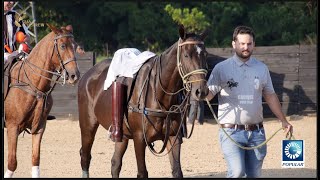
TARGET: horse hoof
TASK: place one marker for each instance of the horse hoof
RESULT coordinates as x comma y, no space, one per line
8,174
35,172
85,174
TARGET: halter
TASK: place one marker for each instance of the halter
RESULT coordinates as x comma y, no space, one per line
184,75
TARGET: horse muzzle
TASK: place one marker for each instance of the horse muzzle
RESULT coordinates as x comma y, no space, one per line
199,91
72,71
73,76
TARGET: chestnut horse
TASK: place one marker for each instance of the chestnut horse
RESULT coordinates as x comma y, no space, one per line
29,101
153,109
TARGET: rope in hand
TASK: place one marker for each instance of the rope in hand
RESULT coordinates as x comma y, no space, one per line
289,136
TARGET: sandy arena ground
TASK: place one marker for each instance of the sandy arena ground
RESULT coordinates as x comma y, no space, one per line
201,154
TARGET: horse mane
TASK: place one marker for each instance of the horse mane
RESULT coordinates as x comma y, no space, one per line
45,43
171,48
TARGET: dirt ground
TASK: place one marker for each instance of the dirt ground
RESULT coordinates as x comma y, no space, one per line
201,155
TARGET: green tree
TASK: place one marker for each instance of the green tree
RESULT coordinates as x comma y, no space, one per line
193,21
110,25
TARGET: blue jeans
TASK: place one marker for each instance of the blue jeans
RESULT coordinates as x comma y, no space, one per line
241,162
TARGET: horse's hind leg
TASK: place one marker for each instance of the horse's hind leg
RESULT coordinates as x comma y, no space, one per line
174,156
116,161
88,133
36,143
12,134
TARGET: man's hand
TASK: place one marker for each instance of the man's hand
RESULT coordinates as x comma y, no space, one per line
287,127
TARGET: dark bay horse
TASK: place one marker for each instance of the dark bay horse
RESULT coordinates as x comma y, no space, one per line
29,101
153,105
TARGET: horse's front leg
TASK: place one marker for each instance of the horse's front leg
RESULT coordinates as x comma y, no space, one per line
12,135
36,143
174,156
140,150
37,135
116,161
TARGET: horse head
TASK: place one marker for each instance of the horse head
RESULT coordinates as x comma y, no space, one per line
65,61
191,63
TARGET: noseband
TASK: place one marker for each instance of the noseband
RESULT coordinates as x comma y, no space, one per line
185,75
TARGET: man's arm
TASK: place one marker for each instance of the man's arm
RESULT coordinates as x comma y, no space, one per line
274,104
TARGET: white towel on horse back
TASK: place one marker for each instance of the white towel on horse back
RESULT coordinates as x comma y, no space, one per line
126,62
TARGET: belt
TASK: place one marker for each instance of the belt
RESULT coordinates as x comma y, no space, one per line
249,127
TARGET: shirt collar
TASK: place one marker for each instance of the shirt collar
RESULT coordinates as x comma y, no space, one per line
236,59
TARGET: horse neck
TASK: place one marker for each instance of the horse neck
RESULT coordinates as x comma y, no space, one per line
169,76
41,57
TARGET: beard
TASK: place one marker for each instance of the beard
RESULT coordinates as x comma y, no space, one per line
244,54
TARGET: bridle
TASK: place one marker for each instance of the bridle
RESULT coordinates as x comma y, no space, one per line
185,75
62,63
62,72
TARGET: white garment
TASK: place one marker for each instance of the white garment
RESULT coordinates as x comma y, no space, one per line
6,55
10,30
10,27
126,62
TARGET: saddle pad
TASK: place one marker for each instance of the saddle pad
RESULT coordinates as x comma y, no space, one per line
126,62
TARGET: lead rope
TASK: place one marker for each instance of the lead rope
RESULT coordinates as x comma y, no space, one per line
289,136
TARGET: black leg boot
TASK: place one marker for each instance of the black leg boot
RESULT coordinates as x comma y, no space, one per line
118,97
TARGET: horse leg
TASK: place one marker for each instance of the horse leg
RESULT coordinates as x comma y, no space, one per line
140,150
36,143
12,134
174,157
38,134
116,161
88,133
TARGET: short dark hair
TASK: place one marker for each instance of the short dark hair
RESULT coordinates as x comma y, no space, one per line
243,30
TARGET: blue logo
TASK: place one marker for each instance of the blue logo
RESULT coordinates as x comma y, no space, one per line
292,153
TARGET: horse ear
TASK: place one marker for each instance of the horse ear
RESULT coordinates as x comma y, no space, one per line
182,31
69,28
54,29
204,34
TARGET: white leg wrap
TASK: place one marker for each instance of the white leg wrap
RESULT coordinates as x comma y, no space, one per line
35,172
8,174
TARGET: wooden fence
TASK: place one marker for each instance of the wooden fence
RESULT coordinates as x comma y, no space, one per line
293,70
65,98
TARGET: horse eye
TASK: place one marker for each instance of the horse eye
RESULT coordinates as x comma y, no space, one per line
63,46
186,55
